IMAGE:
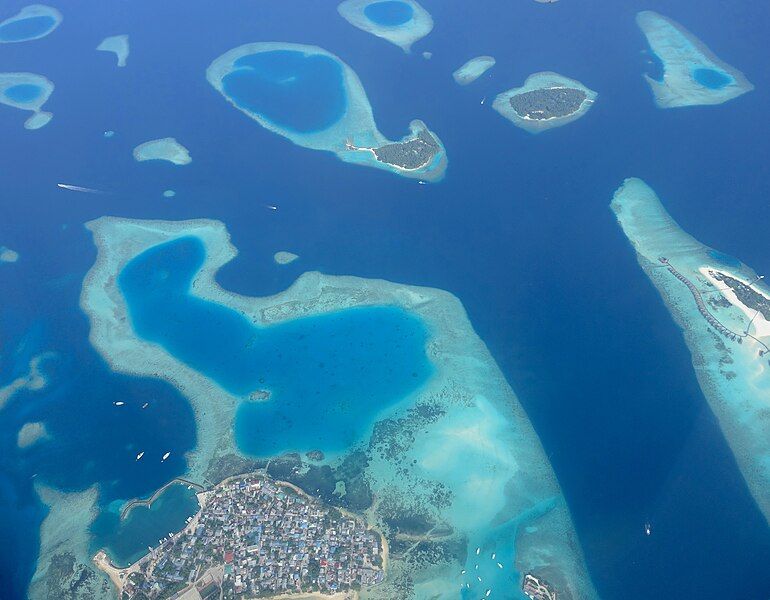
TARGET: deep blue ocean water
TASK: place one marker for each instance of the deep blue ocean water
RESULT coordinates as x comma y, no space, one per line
297,92
389,12
24,92
328,376
519,230
25,29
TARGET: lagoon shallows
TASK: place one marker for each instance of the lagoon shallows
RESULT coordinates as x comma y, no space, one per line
293,90
24,92
27,29
126,540
389,13
328,376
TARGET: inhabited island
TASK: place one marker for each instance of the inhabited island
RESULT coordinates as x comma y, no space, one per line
30,23
441,458
276,540
118,45
27,91
723,308
401,22
691,74
311,97
473,69
546,100
167,149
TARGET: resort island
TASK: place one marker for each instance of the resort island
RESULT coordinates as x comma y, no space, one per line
441,461
30,23
723,308
27,91
473,69
401,22
311,97
274,539
691,74
546,100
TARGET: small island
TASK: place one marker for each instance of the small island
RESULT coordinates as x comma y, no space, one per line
27,91
118,45
315,100
723,309
283,257
691,74
473,69
276,540
546,100
30,23
401,22
167,149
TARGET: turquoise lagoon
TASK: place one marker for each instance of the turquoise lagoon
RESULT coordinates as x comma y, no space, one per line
389,13
687,72
278,84
711,78
23,92
327,376
126,539
401,22
27,91
31,23
314,99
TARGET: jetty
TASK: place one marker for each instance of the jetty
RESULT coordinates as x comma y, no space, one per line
704,311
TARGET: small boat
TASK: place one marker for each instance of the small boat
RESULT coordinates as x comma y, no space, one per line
479,578
119,403
145,405
478,550
421,182
483,99
165,456
500,565
140,455
487,594
493,555
271,207
462,572
647,528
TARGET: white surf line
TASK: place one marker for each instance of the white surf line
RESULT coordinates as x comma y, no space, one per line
78,188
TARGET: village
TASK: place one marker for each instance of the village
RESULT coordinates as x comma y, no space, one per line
254,537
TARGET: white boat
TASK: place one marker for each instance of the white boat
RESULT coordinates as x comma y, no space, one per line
478,550
140,455
145,405
500,565
487,594
647,528
165,456
493,555
421,182
119,403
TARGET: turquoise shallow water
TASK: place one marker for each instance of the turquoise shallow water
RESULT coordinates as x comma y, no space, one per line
297,92
26,29
389,13
127,541
329,375
24,92
711,78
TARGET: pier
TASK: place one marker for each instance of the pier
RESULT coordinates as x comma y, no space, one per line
704,311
